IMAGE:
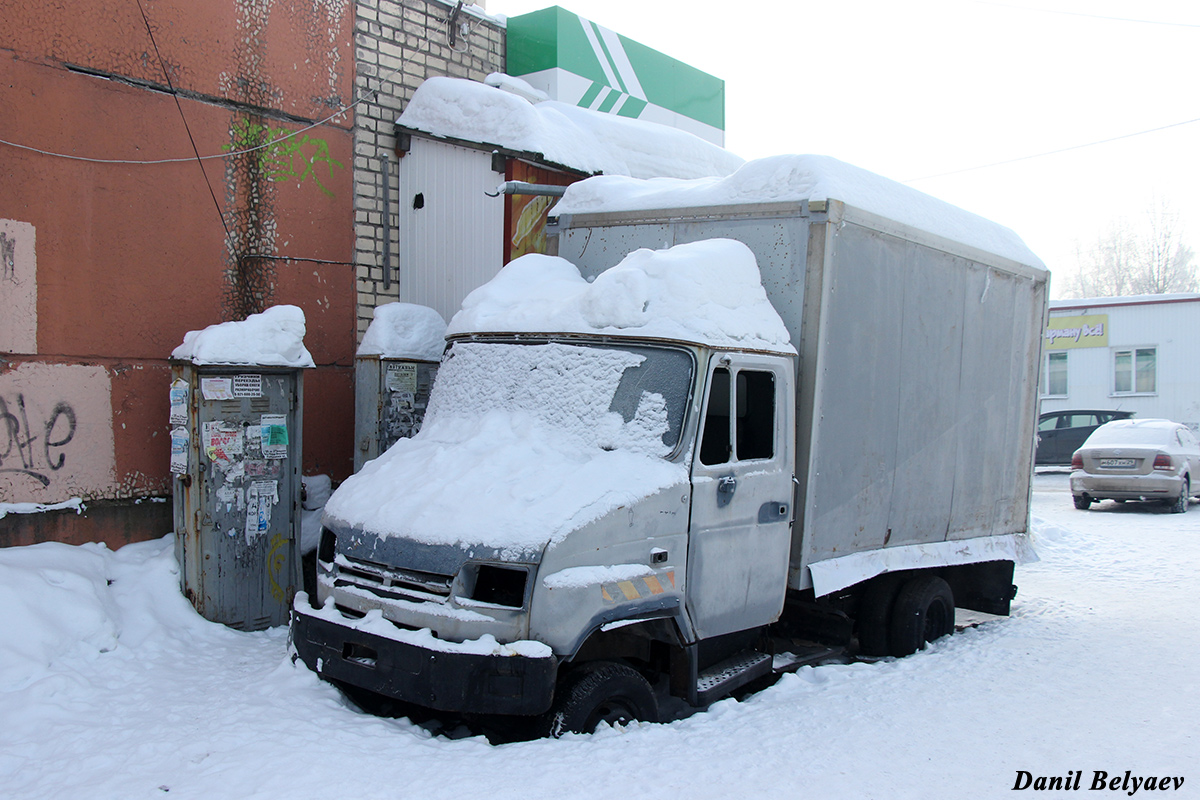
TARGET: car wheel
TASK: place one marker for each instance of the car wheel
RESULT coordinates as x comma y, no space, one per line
923,611
1083,502
598,693
1181,503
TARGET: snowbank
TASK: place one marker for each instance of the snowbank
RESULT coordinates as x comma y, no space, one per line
793,178
54,601
589,141
274,338
709,292
405,330
185,708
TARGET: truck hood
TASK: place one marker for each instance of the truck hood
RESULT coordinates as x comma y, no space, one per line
502,485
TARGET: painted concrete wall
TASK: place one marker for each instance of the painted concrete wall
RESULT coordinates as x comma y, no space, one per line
108,259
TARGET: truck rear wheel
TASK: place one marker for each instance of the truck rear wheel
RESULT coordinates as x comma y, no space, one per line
923,611
874,616
598,693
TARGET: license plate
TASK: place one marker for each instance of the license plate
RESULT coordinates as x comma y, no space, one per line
1116,463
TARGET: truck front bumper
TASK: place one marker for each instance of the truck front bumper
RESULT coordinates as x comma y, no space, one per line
444,681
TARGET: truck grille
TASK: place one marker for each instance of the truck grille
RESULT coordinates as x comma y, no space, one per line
392,582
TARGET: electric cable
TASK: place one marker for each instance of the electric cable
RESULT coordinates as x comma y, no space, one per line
1089,16
1051,152
167,76
369,94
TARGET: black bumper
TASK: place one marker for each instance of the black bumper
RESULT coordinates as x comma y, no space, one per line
460,682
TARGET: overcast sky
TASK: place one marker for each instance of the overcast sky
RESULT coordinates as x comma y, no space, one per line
919,89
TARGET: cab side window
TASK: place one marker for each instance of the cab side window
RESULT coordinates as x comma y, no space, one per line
716,447
747,434
755,415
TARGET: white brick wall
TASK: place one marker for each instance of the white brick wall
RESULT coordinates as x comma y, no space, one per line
403,42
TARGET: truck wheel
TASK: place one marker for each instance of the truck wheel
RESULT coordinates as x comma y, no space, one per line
1181,503
874,615
923,611
1082,502
603,692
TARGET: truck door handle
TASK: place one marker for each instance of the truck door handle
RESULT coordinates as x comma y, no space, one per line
725,489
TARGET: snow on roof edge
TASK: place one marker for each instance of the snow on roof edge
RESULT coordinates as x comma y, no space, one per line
577,138
1127,300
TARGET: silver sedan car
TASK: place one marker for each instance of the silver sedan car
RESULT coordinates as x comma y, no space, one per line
1137,459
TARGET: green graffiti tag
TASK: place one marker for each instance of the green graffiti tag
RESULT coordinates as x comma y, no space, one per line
283,155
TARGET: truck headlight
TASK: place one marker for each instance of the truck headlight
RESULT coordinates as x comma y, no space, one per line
495,584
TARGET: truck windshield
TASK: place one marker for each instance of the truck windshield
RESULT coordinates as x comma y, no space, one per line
625,397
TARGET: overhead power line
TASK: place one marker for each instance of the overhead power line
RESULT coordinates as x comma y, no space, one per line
1051,152
368,94
1090,16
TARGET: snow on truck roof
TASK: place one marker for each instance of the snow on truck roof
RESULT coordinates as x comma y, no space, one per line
794,178
586,140
709,292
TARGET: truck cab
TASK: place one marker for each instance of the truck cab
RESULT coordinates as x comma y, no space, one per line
677,528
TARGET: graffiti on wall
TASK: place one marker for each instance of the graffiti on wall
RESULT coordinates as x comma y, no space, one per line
18,288
56,436
283,156
34,451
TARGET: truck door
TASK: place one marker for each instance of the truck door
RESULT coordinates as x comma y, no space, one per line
740,536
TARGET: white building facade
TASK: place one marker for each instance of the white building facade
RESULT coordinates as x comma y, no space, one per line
1139,354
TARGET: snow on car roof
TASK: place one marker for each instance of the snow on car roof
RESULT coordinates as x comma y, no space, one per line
1133,431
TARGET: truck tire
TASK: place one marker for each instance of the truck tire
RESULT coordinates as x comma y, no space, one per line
601,692
1181,503
923,611
874,617
1082,502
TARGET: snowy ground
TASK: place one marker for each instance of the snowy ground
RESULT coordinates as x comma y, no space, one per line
111,687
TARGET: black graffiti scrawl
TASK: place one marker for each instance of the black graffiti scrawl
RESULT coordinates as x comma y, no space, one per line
34,447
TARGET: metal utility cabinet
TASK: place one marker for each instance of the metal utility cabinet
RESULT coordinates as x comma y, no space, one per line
390,396
235,455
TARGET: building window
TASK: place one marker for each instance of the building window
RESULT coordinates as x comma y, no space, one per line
1054,382
1135,371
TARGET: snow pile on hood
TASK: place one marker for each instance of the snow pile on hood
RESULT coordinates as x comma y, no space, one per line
793,178
586,140
405,330
274,338
519,447
708,292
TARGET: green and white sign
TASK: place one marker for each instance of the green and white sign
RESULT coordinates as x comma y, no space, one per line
576,61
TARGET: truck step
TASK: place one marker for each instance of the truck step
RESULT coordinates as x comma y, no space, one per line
797,656
730,674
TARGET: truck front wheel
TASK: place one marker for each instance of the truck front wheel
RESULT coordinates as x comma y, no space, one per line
923,611
601,692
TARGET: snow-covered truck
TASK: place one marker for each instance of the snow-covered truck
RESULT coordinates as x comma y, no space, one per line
797,417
